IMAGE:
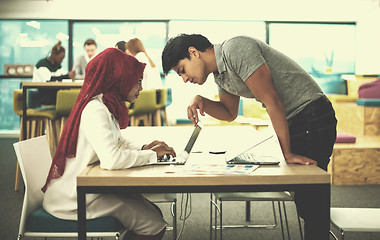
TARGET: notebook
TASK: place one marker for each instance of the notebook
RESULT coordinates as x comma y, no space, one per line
184,155
251,158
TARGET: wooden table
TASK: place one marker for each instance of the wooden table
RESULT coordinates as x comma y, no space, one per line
158,179
39,85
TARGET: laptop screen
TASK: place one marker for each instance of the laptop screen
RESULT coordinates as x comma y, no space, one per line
193,137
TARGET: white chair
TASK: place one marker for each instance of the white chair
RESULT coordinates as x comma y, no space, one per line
279,197
355,220
34,158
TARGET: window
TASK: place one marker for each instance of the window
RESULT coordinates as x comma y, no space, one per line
218,31
107,34
324,48
326,51
25,42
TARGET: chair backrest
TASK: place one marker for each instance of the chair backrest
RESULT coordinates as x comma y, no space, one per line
146,102
169,97
34,158
17,101
163,97
65,101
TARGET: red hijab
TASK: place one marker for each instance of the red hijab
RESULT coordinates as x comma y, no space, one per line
112,73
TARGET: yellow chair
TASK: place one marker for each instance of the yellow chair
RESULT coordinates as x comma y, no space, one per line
160,113
39,122
143,108
65,102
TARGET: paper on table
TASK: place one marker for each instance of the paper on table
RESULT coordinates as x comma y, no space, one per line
214,169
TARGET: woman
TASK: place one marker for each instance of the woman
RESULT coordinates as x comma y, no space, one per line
91,134
152,76
50,69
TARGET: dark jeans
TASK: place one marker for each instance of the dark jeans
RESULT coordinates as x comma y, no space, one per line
312,134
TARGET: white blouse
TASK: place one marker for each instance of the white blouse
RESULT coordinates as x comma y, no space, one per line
99,139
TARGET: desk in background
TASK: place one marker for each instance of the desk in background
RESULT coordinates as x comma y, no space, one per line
157,179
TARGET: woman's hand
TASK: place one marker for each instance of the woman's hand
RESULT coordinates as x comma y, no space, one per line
293,158
161,149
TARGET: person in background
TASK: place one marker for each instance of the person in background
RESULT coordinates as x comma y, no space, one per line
90,48
91,134
152,78
302,116
120,45
50,69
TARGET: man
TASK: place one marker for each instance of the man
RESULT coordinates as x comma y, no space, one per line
301,115
90,48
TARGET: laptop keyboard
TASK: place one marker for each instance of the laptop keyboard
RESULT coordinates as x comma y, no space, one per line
166,159
243,158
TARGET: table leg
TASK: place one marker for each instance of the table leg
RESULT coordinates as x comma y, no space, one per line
81,199
316,211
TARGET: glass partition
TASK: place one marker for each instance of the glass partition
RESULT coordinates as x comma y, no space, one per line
218,31
107,34
326,51
323,48
26,42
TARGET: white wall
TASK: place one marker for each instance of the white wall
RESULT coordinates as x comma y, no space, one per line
366,13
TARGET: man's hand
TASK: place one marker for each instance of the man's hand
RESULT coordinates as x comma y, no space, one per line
293,158
161,149
192,113
71,74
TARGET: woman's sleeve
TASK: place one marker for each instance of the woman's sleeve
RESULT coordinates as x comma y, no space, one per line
98,129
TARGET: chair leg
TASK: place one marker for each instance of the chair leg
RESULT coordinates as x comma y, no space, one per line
286,219
18,177
174,214
132,121
247,211
157,118
281,224
221,219
333,235
164,116
33,130
299,225
51,135
211,201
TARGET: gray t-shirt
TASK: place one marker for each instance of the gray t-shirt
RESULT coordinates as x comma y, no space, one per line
237,58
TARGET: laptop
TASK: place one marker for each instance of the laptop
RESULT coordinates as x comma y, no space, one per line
248,158
184,155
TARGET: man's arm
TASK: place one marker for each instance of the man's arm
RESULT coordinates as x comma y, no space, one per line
226,109
261,85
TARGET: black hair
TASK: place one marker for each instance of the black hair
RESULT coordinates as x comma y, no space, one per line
176,49
57,49
90,42
120,45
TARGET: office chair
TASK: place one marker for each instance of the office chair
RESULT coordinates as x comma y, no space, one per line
143,108
34,158
279,197
65,102
354,220
161,108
